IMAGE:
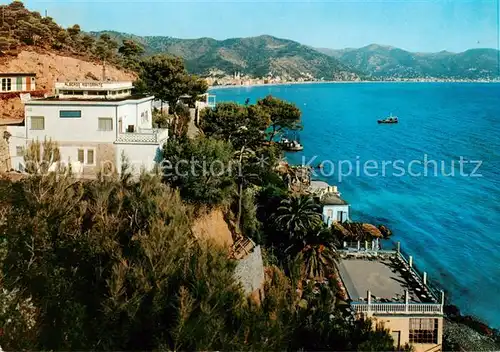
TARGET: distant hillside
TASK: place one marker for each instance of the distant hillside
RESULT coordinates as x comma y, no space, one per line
256,56
389,62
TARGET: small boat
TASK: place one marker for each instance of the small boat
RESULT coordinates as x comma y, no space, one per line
292,144
390,119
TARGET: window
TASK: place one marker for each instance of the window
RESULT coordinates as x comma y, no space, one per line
6,84
105,124
423,330
70,113
90,157
37,122
19,151
329,213
81,155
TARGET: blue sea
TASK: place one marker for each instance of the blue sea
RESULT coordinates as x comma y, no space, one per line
443,214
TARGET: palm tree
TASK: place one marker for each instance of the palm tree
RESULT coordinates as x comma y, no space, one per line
319,255
296,216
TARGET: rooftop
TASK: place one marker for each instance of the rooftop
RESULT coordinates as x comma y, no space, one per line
11,122
107,99
332,199
384,282
378,277
16,74
93,85
318,185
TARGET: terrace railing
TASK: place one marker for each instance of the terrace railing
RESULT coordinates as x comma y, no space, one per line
397,308
144,136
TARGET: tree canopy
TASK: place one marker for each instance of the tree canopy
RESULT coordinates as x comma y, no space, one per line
283,115
202,169
166,77
238,124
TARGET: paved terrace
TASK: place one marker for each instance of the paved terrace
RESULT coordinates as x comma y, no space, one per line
389,278
379,276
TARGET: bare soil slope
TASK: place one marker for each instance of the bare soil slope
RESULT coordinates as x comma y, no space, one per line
49,68
212,226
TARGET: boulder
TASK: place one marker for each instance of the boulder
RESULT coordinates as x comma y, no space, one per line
372,230
385,231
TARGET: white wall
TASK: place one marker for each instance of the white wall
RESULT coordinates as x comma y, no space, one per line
334,210
17,139
83,129
131,115
138,155
146,120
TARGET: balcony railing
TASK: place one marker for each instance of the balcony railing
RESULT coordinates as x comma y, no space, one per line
144,136
397,308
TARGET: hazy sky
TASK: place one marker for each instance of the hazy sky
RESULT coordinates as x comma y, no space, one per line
416,25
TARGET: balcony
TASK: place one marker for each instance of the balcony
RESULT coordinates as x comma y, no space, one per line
157,136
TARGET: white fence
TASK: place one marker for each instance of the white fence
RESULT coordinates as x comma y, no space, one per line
146,136
398,308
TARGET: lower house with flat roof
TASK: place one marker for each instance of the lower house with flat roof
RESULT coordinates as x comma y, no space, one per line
385,286
95,124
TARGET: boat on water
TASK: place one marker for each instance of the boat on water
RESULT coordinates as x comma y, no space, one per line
291,145
291,142
390,119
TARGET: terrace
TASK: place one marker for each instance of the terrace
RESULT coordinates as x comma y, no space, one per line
385,282
144,136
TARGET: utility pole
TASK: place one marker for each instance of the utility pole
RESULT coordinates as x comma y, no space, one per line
104,70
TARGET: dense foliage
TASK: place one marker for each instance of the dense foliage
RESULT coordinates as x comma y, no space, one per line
22,27
166,77
111,264
201,169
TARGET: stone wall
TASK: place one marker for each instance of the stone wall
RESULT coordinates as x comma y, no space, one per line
250,271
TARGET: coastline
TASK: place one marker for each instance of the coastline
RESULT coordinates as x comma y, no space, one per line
461,323
336,82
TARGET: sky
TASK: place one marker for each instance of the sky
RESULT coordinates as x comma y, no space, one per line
414,25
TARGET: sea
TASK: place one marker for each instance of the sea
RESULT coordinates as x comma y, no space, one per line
439,191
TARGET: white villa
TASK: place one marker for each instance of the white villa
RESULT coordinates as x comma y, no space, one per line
94,124
334,208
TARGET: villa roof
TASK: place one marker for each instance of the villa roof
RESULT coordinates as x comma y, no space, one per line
332,199
317,185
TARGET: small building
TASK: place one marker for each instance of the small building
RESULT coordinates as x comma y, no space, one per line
94,123
17,82
334,208
385,286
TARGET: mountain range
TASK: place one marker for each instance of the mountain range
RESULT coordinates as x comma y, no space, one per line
389,62
267,55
